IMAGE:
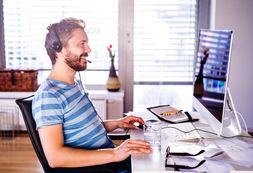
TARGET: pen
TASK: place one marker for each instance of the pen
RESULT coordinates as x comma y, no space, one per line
171,112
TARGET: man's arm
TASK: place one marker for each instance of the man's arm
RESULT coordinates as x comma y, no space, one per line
59,155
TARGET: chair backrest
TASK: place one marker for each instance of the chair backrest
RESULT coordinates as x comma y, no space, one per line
25,105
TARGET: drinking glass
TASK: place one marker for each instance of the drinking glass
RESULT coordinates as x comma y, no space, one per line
152,133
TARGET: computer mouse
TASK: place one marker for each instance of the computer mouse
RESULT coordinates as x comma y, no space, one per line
138,125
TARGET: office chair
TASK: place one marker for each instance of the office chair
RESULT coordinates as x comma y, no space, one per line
25,105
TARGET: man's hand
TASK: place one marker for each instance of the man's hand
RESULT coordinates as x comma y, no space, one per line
129,147
123,123
128,122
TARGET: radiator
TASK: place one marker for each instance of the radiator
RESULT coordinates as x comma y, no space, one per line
9,121
100,106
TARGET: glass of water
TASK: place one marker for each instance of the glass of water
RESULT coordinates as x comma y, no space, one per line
152,133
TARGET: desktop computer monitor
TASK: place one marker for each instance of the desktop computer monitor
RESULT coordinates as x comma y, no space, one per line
211,95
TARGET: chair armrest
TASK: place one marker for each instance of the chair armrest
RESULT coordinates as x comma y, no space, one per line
119,134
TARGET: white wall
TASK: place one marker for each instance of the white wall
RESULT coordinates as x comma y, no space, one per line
237,15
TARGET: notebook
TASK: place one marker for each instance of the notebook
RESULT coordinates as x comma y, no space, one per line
171,114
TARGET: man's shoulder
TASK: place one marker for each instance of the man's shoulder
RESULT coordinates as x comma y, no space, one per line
46,90
48,87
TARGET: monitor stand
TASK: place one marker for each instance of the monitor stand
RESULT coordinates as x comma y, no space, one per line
230,123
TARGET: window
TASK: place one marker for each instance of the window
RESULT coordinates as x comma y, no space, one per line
25,23
164,46
153,39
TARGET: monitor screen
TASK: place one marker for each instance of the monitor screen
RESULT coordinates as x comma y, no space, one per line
211,68
211,96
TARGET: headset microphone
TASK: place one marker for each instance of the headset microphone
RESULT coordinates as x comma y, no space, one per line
88,61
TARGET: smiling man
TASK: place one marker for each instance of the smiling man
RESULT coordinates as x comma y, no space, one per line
71,132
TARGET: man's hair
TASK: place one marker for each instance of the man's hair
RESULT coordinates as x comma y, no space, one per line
59,34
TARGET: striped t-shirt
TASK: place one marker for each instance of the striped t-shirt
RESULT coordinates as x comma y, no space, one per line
56,102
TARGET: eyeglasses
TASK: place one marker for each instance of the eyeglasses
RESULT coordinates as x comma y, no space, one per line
177,167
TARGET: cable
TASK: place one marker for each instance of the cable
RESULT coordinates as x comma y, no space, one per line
88,97
180,129
206,132
96,111
243,120
127,130
80,79
190,130
236,136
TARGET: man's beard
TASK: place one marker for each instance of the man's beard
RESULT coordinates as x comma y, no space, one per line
74,61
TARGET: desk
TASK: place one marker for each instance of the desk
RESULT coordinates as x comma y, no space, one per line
236,156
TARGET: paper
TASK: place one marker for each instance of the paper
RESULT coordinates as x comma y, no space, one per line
239,151
212,151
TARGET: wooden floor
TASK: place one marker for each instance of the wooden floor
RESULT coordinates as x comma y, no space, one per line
18,156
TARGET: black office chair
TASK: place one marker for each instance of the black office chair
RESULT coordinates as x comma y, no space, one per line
25,105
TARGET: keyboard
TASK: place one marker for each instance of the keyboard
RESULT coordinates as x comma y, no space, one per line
181,136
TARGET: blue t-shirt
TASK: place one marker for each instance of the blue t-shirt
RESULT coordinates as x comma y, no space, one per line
56,102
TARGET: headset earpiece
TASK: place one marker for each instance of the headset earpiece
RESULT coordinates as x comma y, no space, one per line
57,45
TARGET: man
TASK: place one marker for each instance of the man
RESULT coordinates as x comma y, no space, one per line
71,132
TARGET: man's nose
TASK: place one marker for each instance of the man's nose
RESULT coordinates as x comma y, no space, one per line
87,48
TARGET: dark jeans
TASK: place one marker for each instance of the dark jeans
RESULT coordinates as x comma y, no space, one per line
116,167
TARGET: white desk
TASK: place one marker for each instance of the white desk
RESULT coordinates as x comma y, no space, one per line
155,162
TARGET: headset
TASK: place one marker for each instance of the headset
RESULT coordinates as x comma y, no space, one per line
57,45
